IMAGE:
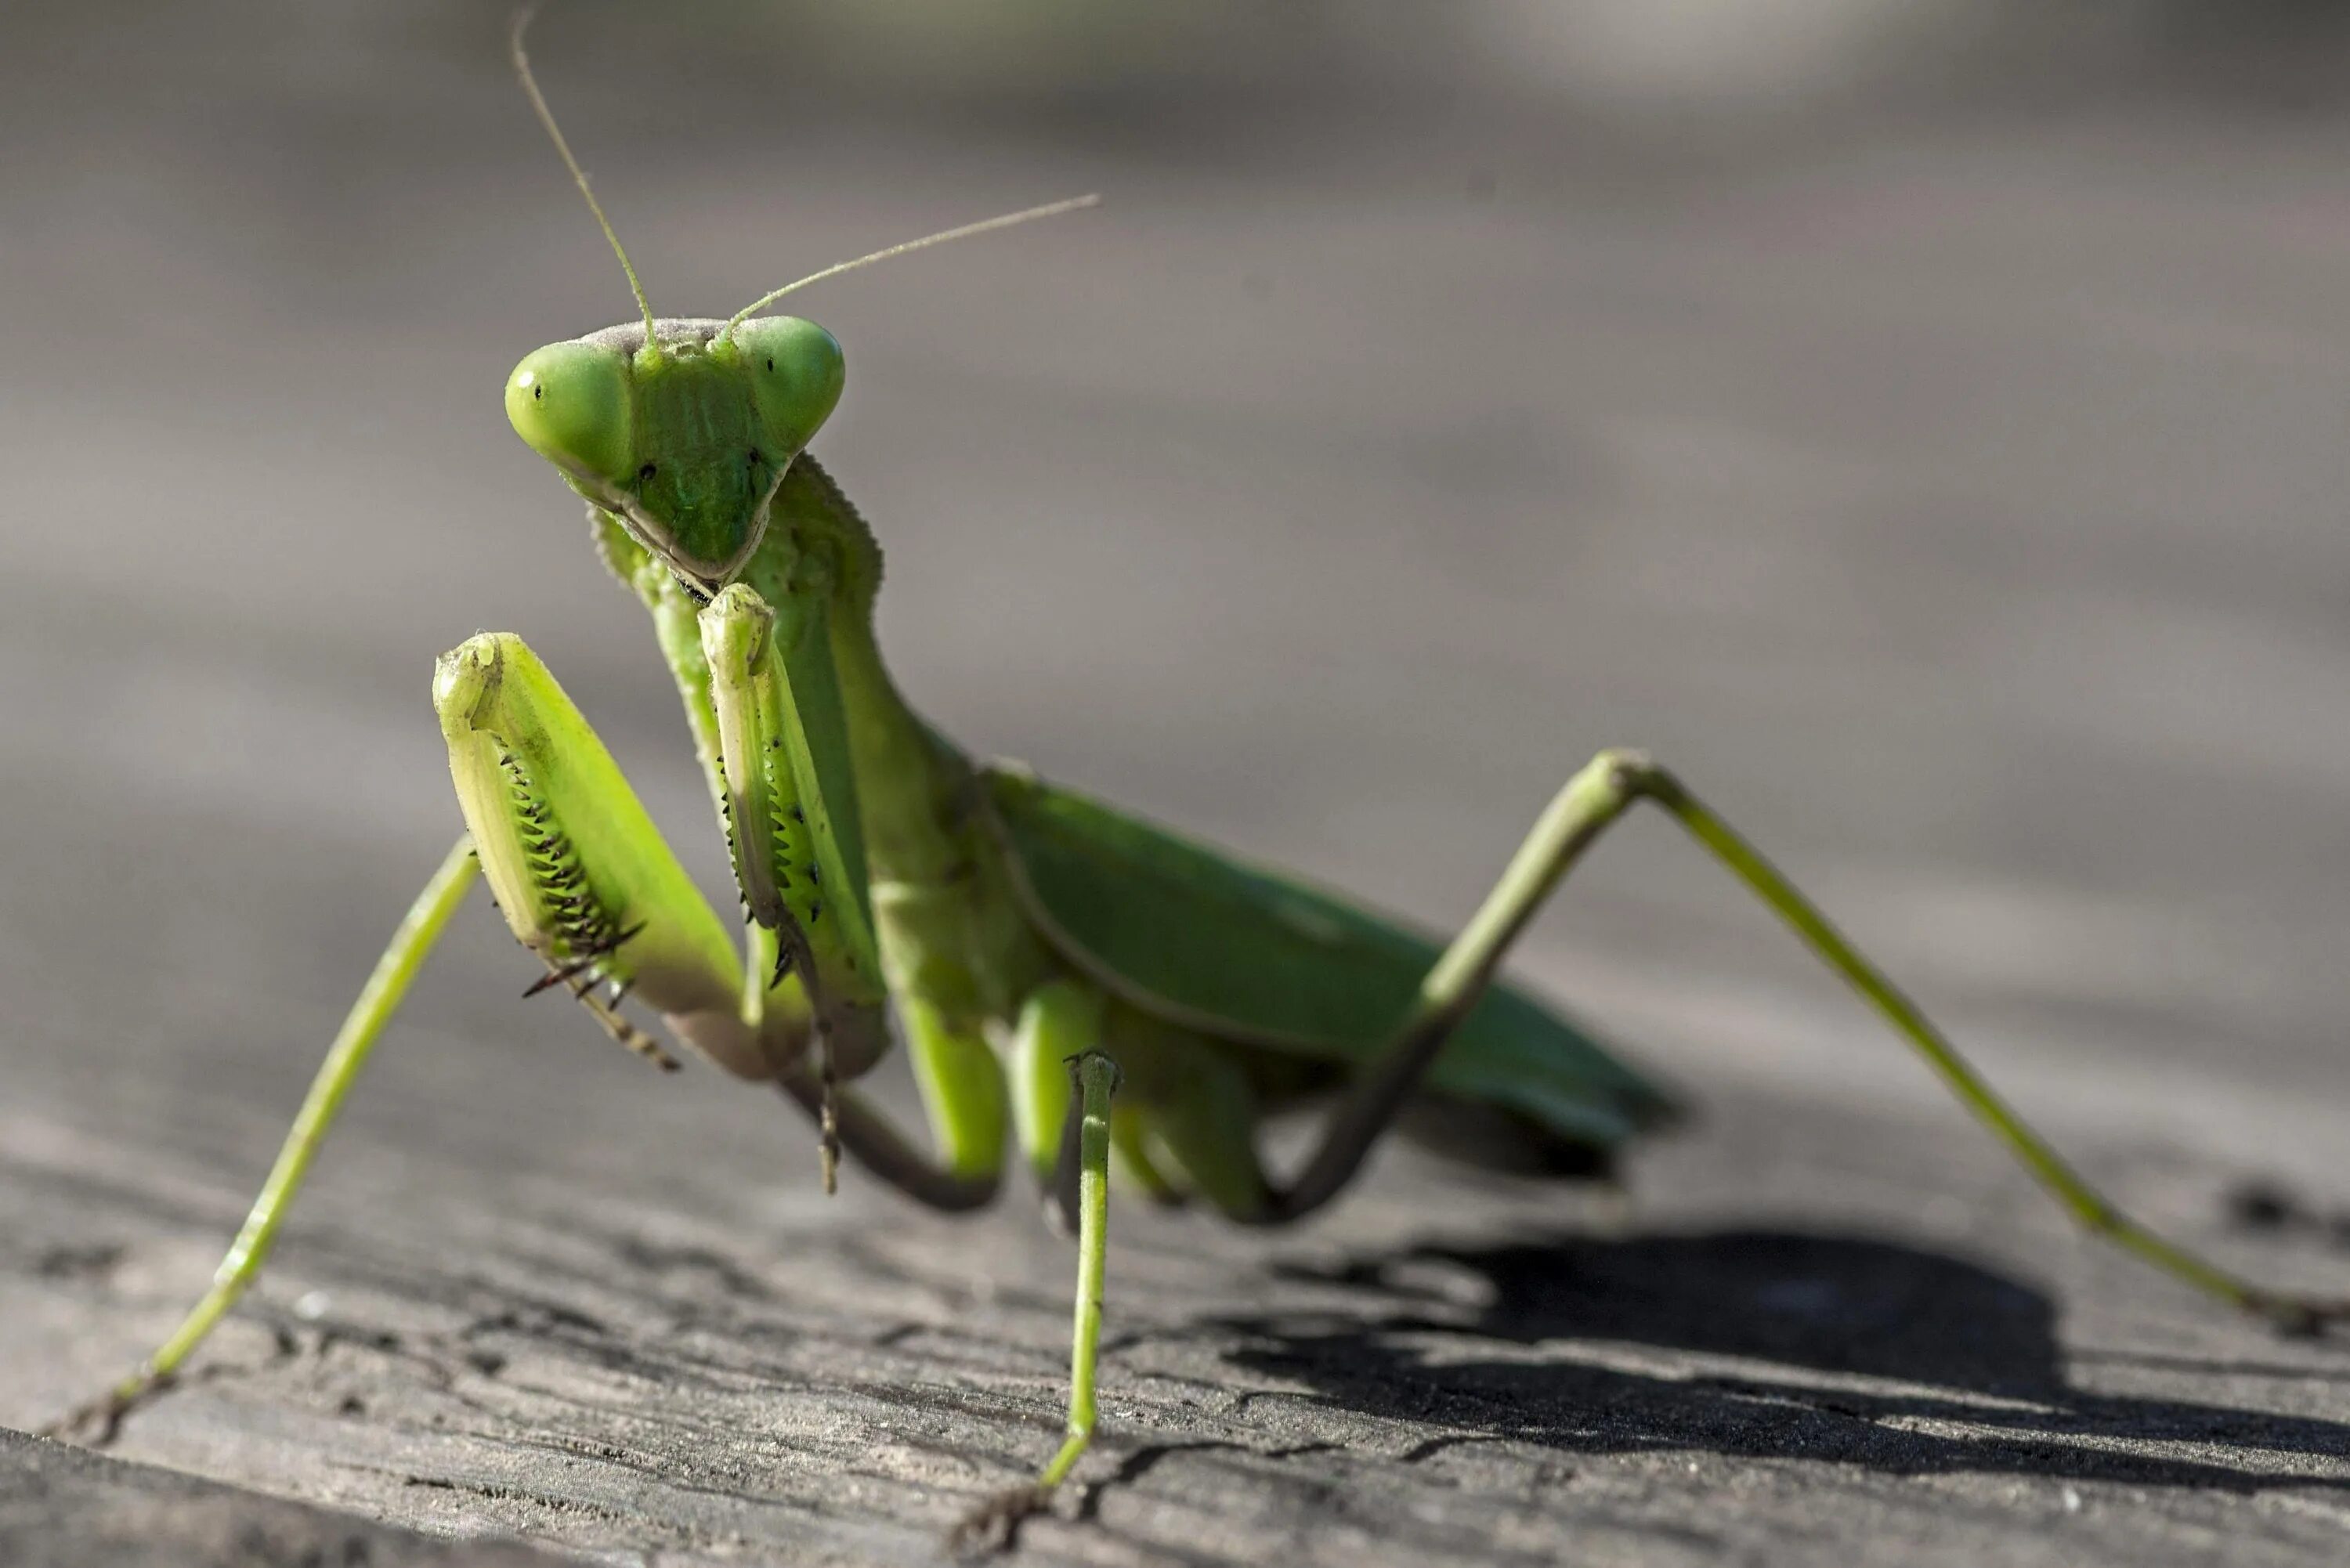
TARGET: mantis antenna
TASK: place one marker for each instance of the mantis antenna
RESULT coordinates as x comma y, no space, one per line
986,225
579,175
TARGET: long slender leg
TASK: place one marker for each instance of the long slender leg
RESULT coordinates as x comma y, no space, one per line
1185,1122
1595,797
1060,1020
1097,1082
378,1001
1195,1107
1097,1077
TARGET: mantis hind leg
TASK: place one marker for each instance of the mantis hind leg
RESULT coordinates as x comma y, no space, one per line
1605,788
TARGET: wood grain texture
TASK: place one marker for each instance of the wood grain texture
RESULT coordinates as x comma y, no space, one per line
1957,502
61,1506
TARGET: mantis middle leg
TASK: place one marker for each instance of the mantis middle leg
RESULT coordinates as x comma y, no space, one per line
1062,1085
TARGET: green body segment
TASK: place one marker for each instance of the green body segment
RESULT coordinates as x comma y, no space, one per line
853,812
1193,936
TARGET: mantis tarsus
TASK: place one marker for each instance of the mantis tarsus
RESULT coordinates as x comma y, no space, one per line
1021,937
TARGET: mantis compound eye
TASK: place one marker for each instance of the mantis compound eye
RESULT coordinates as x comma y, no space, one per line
570,402
796,370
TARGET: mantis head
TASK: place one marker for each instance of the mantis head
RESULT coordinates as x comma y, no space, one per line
682,431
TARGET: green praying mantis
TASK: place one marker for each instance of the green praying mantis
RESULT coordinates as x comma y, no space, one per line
1077,989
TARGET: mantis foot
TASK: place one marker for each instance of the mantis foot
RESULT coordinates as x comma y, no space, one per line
100,1421
994,1524
2298,1317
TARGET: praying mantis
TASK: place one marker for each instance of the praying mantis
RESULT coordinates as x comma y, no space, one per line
1077,990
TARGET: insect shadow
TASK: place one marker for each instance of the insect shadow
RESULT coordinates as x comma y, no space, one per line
1830,1347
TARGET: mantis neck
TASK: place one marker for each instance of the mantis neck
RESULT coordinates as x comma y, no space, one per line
809,518
910,779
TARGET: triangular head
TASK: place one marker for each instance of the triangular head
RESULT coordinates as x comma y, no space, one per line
682,436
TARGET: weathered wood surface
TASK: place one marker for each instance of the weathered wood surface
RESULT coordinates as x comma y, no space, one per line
1962,507
66,1506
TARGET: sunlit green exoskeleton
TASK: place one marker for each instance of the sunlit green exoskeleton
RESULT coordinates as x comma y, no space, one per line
1079,991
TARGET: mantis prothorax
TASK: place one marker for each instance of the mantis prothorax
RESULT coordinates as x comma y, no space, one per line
1021,937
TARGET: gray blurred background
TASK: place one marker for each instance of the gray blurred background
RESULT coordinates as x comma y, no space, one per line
1922,425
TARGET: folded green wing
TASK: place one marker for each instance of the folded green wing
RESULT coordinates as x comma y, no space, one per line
1189,933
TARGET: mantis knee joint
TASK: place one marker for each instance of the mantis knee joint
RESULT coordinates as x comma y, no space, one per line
1086,1063
1634,773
